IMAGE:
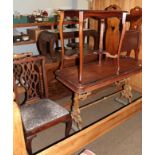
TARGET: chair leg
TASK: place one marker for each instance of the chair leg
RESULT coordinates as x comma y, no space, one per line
136,54
29,144
68,126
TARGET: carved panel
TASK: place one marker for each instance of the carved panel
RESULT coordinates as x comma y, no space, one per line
28,73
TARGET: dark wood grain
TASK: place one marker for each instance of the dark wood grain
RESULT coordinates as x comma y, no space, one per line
96,76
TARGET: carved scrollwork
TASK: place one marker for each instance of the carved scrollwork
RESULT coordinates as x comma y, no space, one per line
28,74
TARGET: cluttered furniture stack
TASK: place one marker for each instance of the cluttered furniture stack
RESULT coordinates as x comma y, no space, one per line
83,78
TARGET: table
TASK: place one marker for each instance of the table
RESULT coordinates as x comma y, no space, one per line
52,36
86,77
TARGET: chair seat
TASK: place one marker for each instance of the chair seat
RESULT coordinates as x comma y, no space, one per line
40,113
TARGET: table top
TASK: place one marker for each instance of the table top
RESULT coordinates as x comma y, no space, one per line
96,76
100,14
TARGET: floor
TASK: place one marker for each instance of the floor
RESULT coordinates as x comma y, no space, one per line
125,139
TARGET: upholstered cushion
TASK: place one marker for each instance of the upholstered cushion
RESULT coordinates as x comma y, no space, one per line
42,112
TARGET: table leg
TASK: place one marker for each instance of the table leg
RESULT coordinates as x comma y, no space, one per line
76,111
119,85
127,91
41,44
52,51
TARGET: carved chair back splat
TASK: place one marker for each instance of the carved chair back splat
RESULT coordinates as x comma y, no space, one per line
30,74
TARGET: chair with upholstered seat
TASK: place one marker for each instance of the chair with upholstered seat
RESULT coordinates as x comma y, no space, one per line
37,111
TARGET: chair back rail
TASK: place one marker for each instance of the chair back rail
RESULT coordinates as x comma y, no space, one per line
29,73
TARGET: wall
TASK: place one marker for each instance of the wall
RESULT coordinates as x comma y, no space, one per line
27,7
82,4
124,4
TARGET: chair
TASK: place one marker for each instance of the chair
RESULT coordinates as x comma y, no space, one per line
37,111
131,40
133,36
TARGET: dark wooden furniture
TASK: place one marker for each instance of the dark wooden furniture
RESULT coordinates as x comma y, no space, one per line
86,77
131,39
135,27
56,89
37,110
112,31
52,36
40,25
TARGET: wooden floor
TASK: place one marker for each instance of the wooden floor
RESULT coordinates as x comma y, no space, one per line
98,75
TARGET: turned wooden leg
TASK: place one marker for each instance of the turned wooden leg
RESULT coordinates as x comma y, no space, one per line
76,111
136,54
100,58
52,51
29,144
41,44
68,126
